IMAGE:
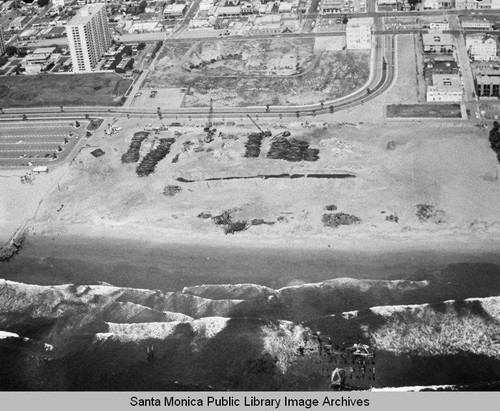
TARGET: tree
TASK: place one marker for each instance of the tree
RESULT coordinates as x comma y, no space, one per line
140,46
10,51
42,3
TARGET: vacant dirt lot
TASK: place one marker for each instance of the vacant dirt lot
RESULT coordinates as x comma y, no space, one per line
278,71
97,89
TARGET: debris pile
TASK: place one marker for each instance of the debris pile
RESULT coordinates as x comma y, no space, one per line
336,219
97,153
428,213
393,218
292,150
253,145
132,155
230,226
260,221
148,163
171,191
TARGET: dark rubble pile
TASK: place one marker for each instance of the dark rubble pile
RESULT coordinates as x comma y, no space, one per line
428,213
132,155
230,226
148,163
336,219
253,145
292,150
171,191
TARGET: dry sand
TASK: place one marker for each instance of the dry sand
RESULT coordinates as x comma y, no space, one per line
444,164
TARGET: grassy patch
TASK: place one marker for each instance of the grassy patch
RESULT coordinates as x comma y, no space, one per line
424,110
96,89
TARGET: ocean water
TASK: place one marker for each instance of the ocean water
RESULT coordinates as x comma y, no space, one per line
142,264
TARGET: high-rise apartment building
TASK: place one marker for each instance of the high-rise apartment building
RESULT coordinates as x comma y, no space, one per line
88,37
2,42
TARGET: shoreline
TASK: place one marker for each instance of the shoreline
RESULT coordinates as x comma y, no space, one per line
407,239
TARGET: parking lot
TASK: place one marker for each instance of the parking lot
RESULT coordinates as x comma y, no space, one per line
158,97
38,143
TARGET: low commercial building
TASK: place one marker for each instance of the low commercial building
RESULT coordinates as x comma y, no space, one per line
266,29
387,5
37,61
285,7
437,42
487,85
438,4
476,24
145,27
439,26
473,4
228,11
481,47
444,93
359,33
174,10
18,23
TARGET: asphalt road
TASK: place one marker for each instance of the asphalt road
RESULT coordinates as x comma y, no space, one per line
359,97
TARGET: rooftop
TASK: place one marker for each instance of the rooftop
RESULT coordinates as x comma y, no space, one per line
85,14
437,38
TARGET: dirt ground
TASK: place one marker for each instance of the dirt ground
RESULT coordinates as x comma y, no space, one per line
278,71
446,165
406,89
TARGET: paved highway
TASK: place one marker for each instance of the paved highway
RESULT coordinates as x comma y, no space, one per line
380,80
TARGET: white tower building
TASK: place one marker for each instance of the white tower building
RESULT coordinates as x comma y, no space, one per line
88,37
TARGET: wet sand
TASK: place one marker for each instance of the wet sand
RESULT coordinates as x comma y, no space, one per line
145,264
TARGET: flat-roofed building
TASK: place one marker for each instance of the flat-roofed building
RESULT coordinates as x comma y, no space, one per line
444,93
439,25
228,11
488,85
473,4
88,37
18,23
438,4
359,33
174,10
479,24
437,42
332,6
481,47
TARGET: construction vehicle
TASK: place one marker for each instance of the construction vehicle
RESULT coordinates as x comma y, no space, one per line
285,133
266,133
